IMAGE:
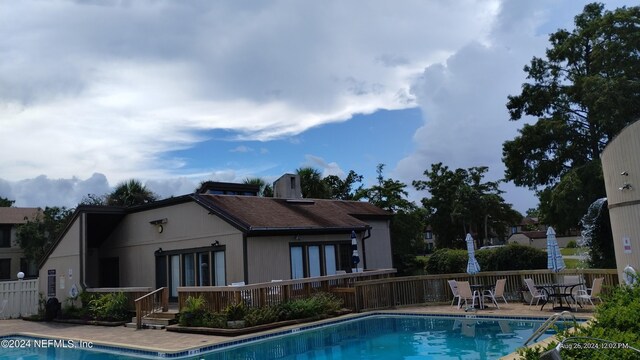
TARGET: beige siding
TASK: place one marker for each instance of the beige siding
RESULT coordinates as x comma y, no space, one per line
65,260
621,155
188,225
269,257
378,246
520,239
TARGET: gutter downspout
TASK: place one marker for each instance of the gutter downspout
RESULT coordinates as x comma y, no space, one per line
364,249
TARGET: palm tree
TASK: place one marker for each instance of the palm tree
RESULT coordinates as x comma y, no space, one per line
312,185
266,190
130,193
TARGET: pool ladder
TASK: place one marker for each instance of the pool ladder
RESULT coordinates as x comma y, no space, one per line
548,324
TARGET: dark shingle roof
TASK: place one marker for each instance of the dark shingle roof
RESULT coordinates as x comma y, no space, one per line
252,213
11,215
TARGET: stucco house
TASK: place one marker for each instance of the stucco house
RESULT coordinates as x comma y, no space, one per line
12,258
538,239
207,239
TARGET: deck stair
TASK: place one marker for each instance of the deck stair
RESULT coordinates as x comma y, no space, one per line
157,320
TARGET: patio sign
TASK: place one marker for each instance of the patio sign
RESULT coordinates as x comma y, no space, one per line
626,245
51,283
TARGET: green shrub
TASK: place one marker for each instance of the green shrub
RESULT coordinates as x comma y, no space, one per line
235,312
510,257
320,304
572,244
447,261
86,297
193,312
110,307
259,316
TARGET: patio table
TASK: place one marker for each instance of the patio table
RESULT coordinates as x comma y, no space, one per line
559,291
480,288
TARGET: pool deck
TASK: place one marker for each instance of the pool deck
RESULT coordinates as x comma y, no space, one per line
170,342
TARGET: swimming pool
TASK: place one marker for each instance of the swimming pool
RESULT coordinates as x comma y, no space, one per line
369,337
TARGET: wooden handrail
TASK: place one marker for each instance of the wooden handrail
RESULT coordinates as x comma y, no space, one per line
146,304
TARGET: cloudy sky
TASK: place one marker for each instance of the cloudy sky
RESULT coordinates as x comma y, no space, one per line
175,92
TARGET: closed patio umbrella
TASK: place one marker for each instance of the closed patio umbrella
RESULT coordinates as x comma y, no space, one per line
472,266
555,262
355,258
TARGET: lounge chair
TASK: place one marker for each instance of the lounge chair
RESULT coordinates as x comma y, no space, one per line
535,294
496,292
454,289
592,293
464,292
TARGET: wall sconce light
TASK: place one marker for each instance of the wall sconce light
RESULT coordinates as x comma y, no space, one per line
159,221
625,186
159,251
215,243
298,238
624,173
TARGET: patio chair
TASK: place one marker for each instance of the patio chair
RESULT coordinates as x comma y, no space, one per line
505,330
454,289
496,292
3,307
464,292
574,279
592,293
535,294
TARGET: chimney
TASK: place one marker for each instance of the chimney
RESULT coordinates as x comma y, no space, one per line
287,187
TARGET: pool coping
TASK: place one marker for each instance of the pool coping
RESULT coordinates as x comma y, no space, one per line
154,353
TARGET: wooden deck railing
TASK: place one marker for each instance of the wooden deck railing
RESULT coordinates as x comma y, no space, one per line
272,293
157,300
417,290
132,293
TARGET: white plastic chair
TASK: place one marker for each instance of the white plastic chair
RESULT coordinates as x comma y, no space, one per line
454,289
535,294
464,292
592,293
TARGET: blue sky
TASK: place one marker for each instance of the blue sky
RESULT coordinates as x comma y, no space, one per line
176,92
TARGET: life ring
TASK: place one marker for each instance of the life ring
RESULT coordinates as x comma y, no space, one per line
629,275
73,292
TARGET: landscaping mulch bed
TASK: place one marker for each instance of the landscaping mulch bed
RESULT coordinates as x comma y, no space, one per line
245,330
91,322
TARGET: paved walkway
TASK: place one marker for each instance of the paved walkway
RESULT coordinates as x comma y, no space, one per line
169,342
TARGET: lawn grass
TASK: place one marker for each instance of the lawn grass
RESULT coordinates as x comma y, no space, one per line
571,263
570,251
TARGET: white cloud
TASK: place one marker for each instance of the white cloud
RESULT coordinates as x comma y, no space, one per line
328,168
241,149
463,101
113,86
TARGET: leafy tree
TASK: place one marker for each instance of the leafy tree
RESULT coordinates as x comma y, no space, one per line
407,239
387,194
461,203
407,225
130,193
93,199
4,202
582,93
343,189
35,236
311,184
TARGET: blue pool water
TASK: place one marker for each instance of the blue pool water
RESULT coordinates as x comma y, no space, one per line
372,337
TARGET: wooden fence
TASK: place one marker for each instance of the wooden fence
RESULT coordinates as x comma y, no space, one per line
21,298
265,294
418,290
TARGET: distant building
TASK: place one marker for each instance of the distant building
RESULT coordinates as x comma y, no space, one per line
12,258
